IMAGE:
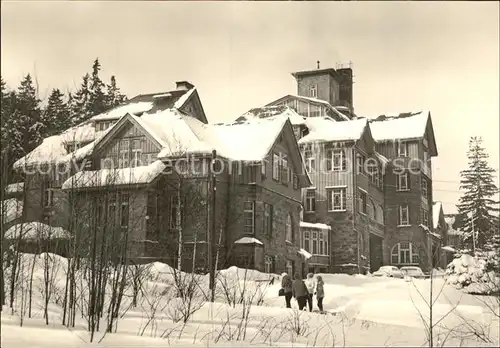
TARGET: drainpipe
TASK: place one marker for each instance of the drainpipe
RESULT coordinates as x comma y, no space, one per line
354,208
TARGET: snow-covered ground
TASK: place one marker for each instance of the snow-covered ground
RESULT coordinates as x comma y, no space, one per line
362,311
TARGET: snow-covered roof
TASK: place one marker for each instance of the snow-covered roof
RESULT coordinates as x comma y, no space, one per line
35,230
314,225
175,132
272,112
15,187
248,240
325,129
436,209
82,133
325,103
49,151
184,98
12,209
120,111
304,253
404,126
247,141
122,176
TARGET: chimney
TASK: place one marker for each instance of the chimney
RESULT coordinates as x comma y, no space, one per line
183,86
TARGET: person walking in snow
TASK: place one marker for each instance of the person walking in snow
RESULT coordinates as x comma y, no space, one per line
286,285
311,284
320,292
299,291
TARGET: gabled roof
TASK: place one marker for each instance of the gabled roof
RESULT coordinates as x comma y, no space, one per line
410,125
337,113
146,103
324,129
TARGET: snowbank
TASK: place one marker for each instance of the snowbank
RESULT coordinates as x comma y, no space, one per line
35,230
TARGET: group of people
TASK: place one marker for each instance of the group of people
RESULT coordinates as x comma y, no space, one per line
303,291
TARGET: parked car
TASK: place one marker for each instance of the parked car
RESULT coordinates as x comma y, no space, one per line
412,272
388,271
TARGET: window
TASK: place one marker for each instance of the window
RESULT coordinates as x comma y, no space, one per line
174,206
403,182
380,214
307,240
423,186
48,197
268,264
289,229
124,211
310,161
362,201
425,217
268,219
284,170
404,216
111,212
263,168
336,199
276,166
336,160
289,267
372,210
405,253
123,161
295,179
296,131
136,153
249,213
402,149
310,200
316,242
321,244
313,91
360,163
374,174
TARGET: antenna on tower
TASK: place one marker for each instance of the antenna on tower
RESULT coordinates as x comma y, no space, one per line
317,63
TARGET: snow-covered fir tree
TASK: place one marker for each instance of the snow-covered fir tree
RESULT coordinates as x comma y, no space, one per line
97,95
113,95
56,116
477,200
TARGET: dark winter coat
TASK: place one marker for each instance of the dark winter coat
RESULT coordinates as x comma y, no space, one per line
286,284
320,291
299,288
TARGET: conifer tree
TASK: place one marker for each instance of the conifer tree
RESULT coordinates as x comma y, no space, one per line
476,201
97,96
56,117
113,96
80,102
27,117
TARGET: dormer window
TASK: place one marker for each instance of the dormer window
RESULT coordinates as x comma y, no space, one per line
313,91
402,149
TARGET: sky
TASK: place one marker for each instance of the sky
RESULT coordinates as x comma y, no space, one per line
406,56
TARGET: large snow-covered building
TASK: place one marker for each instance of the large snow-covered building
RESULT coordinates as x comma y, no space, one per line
372,178
121,186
